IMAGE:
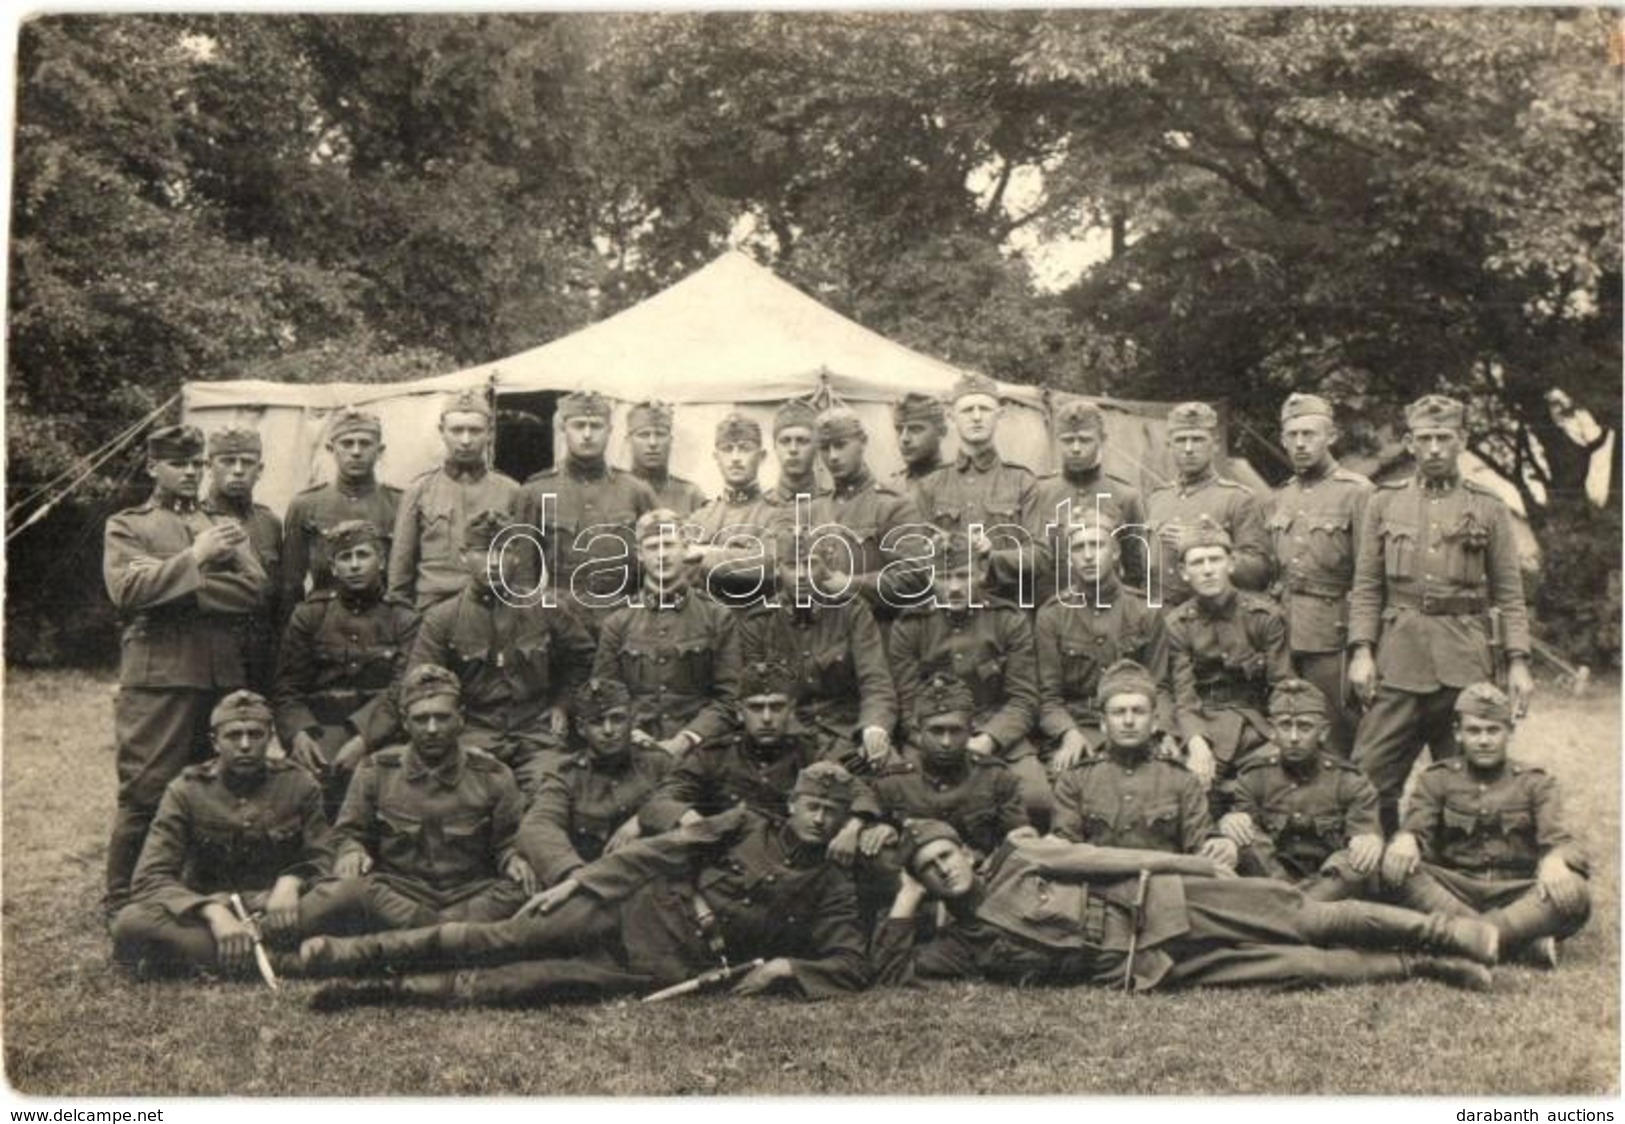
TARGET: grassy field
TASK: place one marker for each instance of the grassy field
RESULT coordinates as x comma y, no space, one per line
75,1026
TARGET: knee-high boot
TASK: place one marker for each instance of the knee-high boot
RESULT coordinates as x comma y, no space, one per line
1426,894
1524,923
371,954
1369,925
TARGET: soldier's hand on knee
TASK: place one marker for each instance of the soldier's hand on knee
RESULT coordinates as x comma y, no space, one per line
1564,888
1365,852
876,745
1400,859
517,870
352,864
549,899
875,838
281,921
306,752
982,745
233,941
624,834
1073,746
349,755
1220,851
844,847
1238,828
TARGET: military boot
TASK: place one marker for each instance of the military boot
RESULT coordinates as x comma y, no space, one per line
1369,925
371,954
1452,970
1527,925
430,989
1426,894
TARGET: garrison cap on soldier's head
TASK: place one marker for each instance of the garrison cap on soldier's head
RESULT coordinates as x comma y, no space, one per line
235,439
1079,415
1305,406
942,694
484,527
1435,411
652,523
354,421
648,414
794,414
951,551
175,442
824,779
973,383
240,706
1090,519
427,681
1204,532
917,407
1485,700
467,402
737,429
596,697
1296,696
583,404
766,677
1125,677
350,533
1192,415
839,423
917,833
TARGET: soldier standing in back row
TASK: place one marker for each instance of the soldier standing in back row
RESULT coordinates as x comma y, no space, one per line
648,429
236,461
356,440
1084,483
1174,508
921,422
732,548
1313,521
1436,565
184,583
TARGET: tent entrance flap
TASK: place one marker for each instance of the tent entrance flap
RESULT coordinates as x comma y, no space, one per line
524,437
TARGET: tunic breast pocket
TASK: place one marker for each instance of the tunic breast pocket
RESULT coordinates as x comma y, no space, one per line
533,663
1162,825
1398,548
1331,543
640,667
402,828
1469,544
1279,528
467,833
1078,667
693,666
1459,823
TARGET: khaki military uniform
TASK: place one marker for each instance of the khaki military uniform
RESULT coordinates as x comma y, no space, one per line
1313,522
1227,503
1132,798
1088,492
680,661
1432,562
582,801
674,493
738,574
209,841
1306,814
264,627
979,797
870,511
1076,643
426,553
183,641
1003,497
907,480
317,510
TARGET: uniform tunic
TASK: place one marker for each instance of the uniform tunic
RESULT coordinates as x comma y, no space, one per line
680,661
1003,497
587,497
870,512
425,560
1132,798
581,803
990,650
907,480
1229,504
319,509
736,533
1075,643
1307,813
673,492
1088,492
1225,657
264,626
979,796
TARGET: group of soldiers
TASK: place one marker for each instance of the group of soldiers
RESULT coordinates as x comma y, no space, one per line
747,739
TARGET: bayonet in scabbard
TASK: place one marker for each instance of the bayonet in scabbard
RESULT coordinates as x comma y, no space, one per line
714,980
262,959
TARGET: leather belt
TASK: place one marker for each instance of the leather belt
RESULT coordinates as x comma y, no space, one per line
1434,605
1311,587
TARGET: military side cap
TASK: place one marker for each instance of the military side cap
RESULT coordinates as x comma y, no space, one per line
1297,696
766,677
596,697
467,402
942,694
1192,415
1484,700
1090,519
235,439
838,423
1305,406
973,383
824,779
484,527
1204,532
1125,677
794,414
1078,414
648,414
917,833
951,551
351,533
240,706
175,442
1435,410
650,523
916,407
427,681
737,429
354,421
583,404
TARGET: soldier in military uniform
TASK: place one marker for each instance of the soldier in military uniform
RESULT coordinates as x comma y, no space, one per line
719,891
920,422
1200,491
674,648
429,830
795,443
1134,793
877,520
588,802
1084,485
980,487
1301,814
236,460
345,646
1093,622
1059,912
1436,558
1226,650
988,646
185,583
648,427
1313,520
516,665
425,560
1485,832
356,440
238,824
845,700
583,495
731,547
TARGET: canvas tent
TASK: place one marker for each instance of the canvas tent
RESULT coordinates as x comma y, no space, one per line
729,336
